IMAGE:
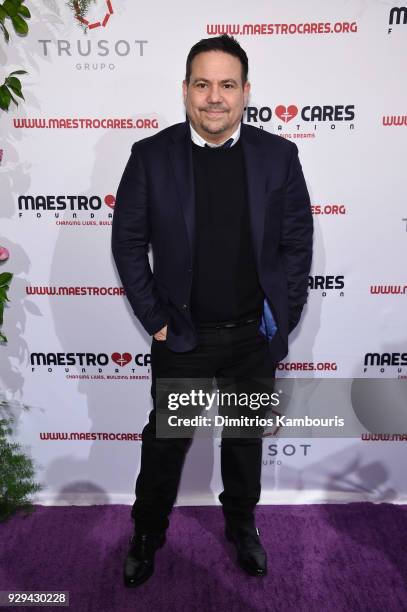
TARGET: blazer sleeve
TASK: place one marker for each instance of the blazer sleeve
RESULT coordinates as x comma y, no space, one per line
296,239
130,239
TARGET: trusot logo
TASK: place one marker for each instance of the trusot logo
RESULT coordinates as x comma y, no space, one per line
397,16
88,53
107,12
276,454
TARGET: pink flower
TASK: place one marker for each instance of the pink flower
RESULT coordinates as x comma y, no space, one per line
4,254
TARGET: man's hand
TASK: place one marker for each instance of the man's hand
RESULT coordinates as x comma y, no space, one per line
162,334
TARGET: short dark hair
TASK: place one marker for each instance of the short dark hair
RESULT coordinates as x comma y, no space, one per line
224,43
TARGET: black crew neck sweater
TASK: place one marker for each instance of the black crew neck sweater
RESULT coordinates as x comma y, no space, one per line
225,282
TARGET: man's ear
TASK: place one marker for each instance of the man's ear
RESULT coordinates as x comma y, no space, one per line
184,90
246,92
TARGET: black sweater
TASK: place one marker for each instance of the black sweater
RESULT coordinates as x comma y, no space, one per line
225,282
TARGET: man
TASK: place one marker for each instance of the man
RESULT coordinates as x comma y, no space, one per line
227,212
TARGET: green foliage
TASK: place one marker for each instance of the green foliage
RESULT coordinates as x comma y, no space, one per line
5,279
16,468
16,474
17,13
12,85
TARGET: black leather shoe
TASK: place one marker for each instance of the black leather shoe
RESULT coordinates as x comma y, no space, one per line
251,555
139,563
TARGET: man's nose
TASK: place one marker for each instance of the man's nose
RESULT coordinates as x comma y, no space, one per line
214,94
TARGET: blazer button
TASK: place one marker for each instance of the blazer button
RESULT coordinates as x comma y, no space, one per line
184,307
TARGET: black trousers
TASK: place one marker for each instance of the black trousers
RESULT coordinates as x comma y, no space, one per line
238,358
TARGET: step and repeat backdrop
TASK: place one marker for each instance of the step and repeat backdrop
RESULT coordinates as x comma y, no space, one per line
328,76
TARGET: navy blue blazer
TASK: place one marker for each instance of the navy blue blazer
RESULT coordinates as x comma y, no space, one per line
155,204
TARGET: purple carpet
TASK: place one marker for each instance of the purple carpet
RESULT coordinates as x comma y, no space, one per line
321,558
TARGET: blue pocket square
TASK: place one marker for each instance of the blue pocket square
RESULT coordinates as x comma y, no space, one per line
268,325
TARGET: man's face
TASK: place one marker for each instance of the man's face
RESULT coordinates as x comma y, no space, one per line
215,97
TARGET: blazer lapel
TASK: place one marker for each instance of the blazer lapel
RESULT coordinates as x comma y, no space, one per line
180,153
256,189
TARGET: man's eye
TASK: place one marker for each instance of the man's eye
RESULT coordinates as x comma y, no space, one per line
228,85
201,85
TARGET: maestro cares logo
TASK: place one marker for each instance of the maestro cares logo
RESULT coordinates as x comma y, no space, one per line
327,284
95,366
303,118
76,209
394,363
397,17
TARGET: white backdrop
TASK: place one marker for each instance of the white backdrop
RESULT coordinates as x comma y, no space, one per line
338,90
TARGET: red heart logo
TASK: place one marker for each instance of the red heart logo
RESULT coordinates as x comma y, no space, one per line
121,359
286,113
110,200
